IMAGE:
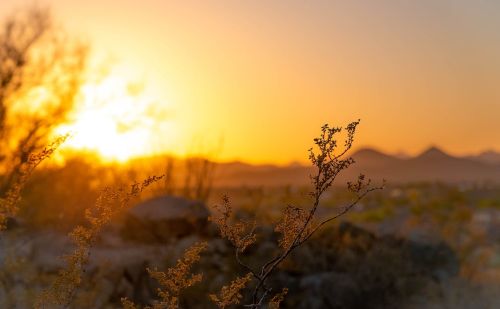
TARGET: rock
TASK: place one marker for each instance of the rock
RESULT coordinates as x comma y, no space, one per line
330,290
13,223
438,261
164,218
346,266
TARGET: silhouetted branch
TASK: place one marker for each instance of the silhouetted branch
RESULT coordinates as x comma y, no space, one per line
297,225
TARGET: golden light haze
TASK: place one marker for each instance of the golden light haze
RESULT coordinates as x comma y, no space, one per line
265,75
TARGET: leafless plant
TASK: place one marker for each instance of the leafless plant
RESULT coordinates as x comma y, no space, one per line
41,71
231,294
9,203
198,179
110,202
174,280
168,182
297,224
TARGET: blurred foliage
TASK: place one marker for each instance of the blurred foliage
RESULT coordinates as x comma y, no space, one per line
41,71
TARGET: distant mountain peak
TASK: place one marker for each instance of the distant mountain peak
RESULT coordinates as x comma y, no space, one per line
488,156
371,154
433,152
368,151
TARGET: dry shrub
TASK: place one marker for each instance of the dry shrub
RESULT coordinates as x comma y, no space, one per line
174,280
240,234
231,293
41,71
291,224
275,302
297,224
198,178
110,202
9,204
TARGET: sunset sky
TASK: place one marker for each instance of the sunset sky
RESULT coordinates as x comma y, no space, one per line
261,77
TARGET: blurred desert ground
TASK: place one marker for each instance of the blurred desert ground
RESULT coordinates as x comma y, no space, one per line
429,239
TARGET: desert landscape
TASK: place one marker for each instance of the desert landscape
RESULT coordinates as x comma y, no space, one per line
275,154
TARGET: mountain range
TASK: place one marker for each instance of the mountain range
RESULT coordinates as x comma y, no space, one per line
432,165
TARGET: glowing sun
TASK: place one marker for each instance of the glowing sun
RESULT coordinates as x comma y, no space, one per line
116,120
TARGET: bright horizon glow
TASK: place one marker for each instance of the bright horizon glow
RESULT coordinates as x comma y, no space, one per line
265,75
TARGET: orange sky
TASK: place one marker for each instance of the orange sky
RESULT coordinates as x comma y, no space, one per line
265,75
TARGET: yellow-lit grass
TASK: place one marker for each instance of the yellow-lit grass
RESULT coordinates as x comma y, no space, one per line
174,280
109,203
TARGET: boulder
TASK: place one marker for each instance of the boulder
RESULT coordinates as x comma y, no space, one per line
346,266
164,218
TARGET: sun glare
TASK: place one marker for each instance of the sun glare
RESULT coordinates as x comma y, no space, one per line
115,119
